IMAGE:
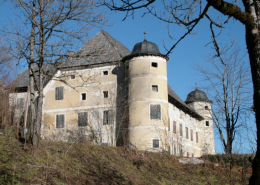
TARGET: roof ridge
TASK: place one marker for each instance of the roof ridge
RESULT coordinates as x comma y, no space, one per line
105,34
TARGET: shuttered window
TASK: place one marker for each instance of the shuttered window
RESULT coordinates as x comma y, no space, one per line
174,127
60,119
181,130
107,117
20,103
59,93
82,119
155,111
187,132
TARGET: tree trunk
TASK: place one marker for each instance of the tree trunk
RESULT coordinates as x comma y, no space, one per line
253,46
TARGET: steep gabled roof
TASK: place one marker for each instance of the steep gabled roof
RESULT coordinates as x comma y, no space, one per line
102,48
22,80
179,103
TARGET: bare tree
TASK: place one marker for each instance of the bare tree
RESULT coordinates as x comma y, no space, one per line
227,81
189,14
45,33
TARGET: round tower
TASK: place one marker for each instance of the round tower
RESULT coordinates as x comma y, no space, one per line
199,101
146,85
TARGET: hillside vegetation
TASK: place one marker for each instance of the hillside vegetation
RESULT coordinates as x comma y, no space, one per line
85,163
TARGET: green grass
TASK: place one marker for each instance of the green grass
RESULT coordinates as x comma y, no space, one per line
84,163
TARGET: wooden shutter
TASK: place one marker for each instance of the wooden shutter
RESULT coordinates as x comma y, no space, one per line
155,111
82,119
59,93
105,118
60,121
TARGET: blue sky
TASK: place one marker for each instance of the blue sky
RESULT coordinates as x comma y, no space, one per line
189,52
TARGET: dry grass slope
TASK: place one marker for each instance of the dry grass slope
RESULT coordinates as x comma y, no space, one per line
85,163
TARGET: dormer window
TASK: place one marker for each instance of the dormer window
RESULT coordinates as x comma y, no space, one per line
154,64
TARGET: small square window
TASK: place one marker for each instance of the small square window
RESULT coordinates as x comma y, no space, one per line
156,143
83,96
155,88
105,93
154,64
72,77
105,73
207,123
206,108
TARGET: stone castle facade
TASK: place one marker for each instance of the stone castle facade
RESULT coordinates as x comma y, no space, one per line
108,95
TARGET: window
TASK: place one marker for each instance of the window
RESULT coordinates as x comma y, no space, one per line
181,130
206,108
105,73
72,77
107,117
60,120
187,132
188,155
191,135
207,123
155,88
82,119
197,137
83,96
127,67
20,103
174,127
105,93
59,93
156,143
154,64
155,111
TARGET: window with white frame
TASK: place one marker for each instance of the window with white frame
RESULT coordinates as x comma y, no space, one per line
82,119
60,120
155,88
105,73
83,96
107,117
155,111
156,143
72,77
59,93
154,64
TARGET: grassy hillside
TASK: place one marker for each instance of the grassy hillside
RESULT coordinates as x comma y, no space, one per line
85,163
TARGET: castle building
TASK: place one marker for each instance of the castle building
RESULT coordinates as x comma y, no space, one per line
110,96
